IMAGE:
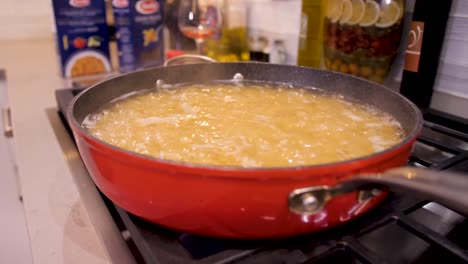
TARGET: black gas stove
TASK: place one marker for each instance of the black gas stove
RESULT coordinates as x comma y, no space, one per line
403,229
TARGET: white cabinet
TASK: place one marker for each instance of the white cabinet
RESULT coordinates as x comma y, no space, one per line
14,241
7,150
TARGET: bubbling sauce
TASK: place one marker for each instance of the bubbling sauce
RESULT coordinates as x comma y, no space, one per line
244,125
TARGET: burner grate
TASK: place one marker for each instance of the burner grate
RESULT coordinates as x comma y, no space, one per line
402,229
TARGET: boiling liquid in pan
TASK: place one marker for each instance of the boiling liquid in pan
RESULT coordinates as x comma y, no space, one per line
248,125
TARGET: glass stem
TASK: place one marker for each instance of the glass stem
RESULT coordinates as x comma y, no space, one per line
199,44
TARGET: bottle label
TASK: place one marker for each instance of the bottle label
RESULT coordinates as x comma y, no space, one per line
413,50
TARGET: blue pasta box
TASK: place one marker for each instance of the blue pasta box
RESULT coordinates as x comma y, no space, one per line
82,37
139,33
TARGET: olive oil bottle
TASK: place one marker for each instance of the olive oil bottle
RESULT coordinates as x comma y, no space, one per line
231,44
311,36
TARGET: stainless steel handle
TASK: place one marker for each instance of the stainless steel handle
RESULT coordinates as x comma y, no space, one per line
446,188
7,125
188,59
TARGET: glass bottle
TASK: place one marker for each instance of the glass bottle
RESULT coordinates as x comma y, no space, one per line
425,40
310,42
232,42
361,37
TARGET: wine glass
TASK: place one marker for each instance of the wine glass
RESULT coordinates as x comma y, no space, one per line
200,19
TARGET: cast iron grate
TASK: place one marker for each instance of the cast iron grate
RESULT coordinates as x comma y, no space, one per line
401,230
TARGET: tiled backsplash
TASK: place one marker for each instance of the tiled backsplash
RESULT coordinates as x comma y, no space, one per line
25,19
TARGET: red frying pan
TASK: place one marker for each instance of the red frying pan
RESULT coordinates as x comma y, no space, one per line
257,203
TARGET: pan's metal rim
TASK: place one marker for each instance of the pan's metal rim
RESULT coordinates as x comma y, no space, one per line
409,138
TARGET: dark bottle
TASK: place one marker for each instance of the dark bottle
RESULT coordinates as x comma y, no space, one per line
426,37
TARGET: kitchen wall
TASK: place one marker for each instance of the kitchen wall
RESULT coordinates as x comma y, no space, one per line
25,19
277,20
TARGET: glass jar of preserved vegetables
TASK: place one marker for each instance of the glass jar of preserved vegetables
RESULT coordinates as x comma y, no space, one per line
361,37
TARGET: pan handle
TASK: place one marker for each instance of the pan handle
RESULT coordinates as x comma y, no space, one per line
447,188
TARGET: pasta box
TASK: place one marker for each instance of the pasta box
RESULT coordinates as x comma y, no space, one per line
139,33
82,37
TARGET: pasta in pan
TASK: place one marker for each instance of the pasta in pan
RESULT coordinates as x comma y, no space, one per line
258,125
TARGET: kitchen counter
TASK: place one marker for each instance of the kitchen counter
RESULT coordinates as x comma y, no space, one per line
59,227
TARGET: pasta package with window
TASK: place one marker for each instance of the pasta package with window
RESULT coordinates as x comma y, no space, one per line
139,25
82,37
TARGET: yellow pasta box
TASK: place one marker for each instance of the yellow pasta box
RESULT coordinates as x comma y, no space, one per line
139,33
82,37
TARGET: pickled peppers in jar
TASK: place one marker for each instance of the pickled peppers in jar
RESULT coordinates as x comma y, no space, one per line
361,37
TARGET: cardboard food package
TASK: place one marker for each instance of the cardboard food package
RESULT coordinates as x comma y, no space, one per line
82,37
139,33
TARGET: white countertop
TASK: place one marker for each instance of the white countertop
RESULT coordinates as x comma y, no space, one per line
59,227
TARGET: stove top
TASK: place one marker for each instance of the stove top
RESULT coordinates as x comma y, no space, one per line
403,229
